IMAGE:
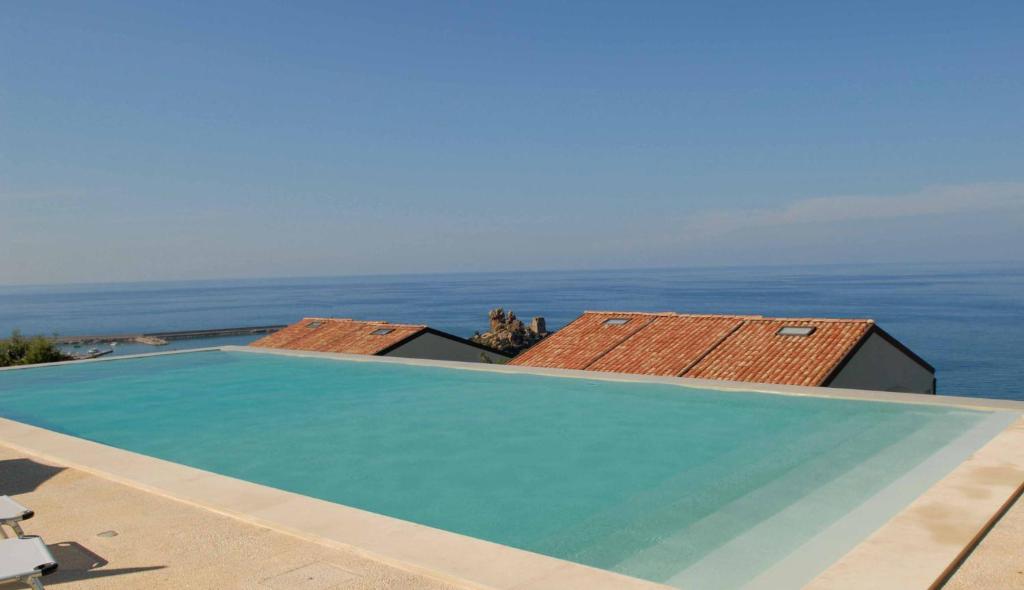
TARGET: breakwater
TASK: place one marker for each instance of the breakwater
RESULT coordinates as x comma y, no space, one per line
158,338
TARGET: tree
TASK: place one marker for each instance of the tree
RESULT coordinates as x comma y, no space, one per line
19,350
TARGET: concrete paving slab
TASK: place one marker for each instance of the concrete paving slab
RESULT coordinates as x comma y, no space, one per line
164,544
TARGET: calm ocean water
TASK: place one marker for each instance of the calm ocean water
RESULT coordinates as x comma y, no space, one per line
967,320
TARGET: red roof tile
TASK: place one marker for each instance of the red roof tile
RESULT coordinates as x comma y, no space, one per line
668,345
757,353
583,341
736,348
338,335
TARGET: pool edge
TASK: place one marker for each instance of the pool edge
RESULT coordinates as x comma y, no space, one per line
904,553
923,544
953,401
971,403
977,492
439,554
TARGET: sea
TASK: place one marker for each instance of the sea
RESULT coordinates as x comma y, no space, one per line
965,319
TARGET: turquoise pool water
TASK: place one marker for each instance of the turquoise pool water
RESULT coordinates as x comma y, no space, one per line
655,481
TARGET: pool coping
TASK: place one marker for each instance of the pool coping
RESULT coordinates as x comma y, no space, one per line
966,402
972,403
919,547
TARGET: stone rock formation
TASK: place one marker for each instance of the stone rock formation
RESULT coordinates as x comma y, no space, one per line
509,334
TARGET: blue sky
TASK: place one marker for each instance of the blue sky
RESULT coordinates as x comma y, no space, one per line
179,140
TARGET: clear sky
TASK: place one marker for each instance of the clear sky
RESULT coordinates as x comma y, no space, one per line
145,140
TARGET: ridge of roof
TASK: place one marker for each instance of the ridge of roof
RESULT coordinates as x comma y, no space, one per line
823,320
373,322
675,314
751,317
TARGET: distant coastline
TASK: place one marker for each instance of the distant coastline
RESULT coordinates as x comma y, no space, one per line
966,319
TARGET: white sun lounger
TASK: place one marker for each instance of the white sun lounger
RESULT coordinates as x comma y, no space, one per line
25,560
12,513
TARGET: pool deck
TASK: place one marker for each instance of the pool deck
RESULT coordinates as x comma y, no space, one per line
166,544
433,553
918,548
998,561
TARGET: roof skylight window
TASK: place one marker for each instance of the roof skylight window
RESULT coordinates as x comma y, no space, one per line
314,325
616,321
796,330
382,331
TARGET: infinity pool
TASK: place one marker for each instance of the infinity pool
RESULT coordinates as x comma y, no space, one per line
692,487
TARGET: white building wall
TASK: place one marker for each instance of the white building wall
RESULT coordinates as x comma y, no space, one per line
880,366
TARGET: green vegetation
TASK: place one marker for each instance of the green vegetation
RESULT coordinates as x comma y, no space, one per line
21,350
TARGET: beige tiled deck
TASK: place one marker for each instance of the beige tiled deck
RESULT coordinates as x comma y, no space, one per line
998,561
165,544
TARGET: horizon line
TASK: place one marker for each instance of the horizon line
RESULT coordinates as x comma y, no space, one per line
499,272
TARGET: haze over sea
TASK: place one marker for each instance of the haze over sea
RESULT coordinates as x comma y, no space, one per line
965,319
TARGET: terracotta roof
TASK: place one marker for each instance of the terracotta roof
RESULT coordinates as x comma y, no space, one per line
727,347
583,341
757,353
658,349
339,335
